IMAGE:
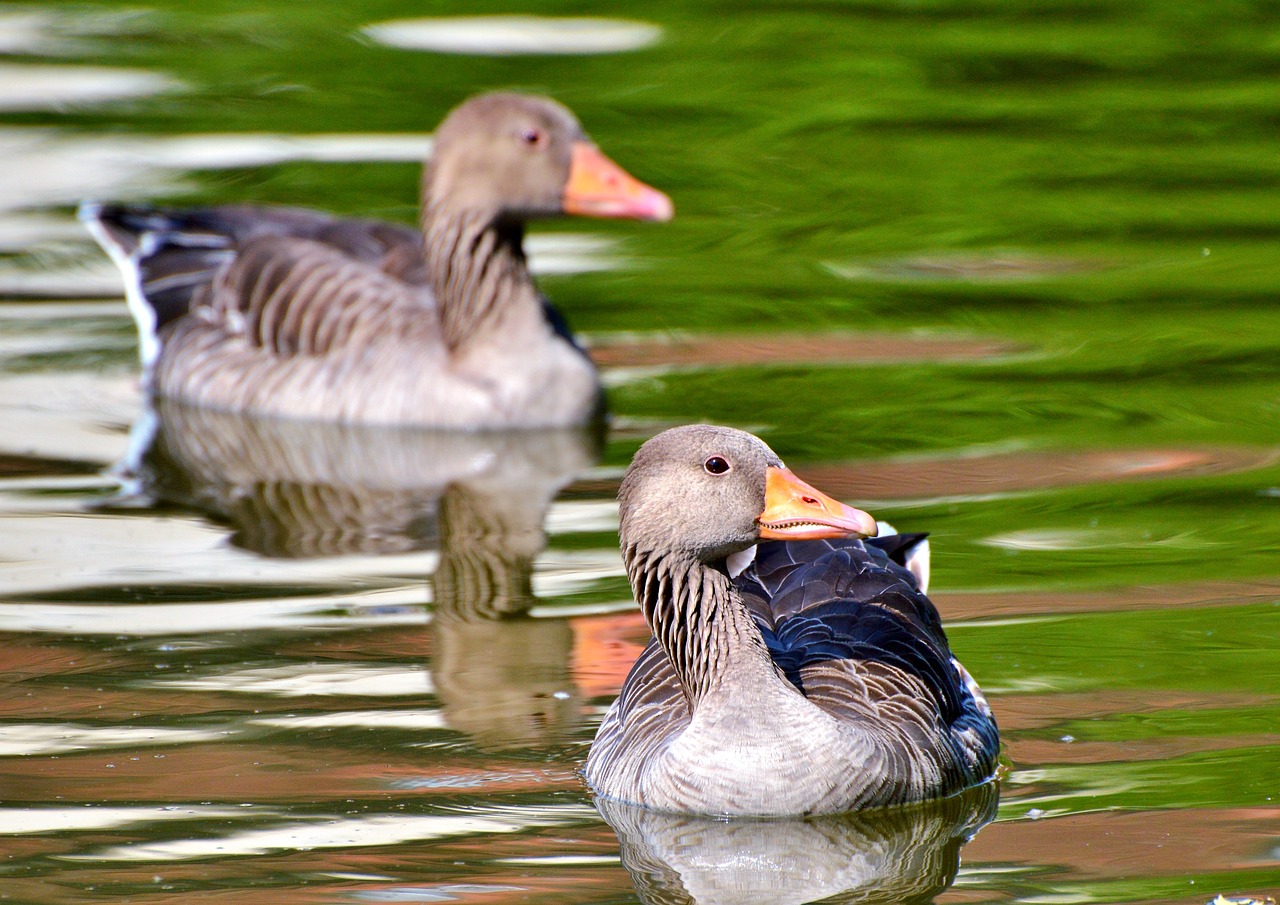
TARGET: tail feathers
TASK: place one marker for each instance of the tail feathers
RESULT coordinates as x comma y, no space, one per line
167,257
909,550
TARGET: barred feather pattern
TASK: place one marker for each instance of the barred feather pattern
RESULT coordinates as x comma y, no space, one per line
277,311
296,327
477,265
694,618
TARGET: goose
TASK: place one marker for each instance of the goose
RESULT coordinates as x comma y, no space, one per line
288,312
796,665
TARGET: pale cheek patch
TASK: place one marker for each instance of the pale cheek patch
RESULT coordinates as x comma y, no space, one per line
737,562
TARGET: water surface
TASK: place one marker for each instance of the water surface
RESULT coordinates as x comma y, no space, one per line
1004,272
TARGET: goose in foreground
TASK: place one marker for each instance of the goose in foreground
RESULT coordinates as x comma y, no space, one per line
796,667
294,313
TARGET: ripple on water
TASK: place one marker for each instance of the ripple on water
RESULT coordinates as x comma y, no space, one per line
515,35
32,87
329,831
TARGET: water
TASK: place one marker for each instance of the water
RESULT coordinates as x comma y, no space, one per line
1005,272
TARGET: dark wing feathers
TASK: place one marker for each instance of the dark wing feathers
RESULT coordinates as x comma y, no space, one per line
846,605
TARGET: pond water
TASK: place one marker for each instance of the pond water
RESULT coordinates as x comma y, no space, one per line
1006,272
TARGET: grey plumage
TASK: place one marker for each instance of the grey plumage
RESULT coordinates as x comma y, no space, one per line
294,313
818,680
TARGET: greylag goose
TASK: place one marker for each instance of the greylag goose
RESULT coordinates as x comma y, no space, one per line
294,313
795,667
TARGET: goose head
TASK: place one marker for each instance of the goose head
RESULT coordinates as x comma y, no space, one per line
519,157
709,492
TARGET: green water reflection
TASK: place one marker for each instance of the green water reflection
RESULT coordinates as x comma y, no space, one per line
1072,201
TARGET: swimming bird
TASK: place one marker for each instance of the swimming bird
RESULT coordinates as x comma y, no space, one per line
797,666
296,313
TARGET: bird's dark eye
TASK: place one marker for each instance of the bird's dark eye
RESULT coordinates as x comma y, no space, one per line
533,136
715,465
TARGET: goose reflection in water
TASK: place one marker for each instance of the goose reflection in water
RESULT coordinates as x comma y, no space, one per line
295,489
894,855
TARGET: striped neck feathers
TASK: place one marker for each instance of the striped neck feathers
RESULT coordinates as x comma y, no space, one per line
700,621
477,269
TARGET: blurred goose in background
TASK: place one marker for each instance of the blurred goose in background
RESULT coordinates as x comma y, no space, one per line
295,313
795,668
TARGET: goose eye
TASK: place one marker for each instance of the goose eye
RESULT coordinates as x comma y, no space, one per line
715,465
533,137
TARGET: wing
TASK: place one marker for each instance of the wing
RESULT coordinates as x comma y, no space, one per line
791,577
171,257
298,296
849,627
650,711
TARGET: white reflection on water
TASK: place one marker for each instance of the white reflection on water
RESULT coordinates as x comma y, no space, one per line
583,515
74,416
63,551
27,32
45,87
224,151
359,719
566,253
46,167
203,618
22,821
75,30
335,832
25,739
514,35
308,679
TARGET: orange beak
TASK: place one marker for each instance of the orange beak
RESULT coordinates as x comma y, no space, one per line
598,187
795,511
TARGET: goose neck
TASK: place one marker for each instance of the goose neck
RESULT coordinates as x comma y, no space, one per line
477,270
702,624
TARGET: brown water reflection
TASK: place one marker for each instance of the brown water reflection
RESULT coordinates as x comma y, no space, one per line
1114,845
976,473
692,351
986,604
981,473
